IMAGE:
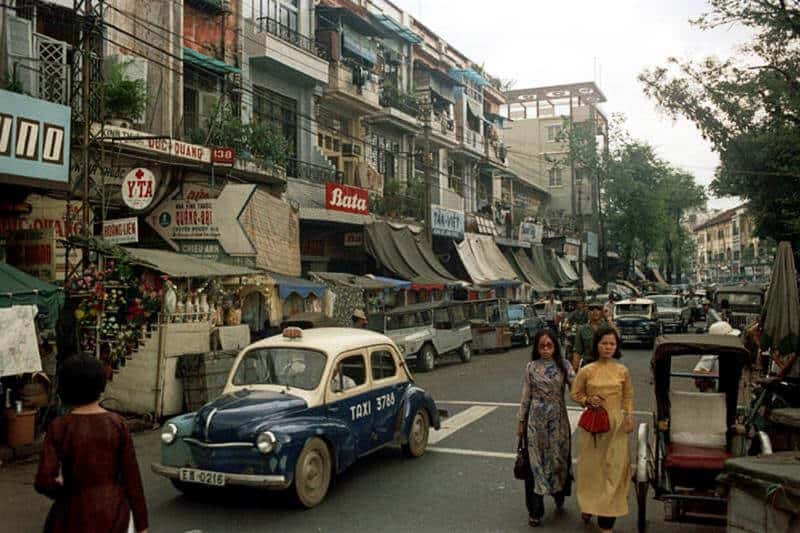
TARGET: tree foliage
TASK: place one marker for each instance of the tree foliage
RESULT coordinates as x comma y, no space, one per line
748,107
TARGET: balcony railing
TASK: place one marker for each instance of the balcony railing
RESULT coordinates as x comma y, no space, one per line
471,139
406,103
310,172
291,36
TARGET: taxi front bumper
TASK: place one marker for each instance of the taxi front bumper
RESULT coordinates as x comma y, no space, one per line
275,482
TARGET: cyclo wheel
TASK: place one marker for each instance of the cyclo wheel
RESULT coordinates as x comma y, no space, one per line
641,505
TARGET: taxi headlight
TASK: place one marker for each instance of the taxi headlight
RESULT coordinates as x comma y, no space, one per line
169,434
266,442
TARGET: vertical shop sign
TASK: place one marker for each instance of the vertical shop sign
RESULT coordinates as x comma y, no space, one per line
340,197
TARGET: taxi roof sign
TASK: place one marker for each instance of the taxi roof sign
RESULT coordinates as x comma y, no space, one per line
293,332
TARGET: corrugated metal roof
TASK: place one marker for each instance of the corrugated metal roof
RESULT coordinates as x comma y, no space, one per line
185,266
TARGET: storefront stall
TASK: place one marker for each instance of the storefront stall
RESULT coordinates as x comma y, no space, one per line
348,292
528,271
487,268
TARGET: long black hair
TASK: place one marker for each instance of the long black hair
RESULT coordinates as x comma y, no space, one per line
601,332
558,359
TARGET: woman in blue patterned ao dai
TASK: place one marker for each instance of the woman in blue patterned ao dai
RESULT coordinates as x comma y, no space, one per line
543,421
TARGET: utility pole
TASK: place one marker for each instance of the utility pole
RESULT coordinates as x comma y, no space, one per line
575,204
427,163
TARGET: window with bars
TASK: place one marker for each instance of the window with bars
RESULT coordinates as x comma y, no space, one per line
555,177
269,106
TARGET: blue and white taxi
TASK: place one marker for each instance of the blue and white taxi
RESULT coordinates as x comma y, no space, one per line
297,409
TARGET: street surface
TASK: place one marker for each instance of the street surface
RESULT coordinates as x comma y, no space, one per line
463,483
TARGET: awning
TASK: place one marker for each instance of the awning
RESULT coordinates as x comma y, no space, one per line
555,269
468,74
542,265
589,284
397,284
529,271
656,276
354,48
474,108
353,281
337,217
566,268
20,288
442,89
484,262
185,266
288,285
395,28
193,57
407,254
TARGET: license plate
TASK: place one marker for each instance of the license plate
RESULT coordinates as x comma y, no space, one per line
203,477
628,337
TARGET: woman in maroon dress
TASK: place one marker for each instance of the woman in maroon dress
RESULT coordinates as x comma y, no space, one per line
88,463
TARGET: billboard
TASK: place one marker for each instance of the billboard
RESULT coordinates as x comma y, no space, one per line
34,141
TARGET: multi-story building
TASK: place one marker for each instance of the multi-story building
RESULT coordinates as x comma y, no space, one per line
728,250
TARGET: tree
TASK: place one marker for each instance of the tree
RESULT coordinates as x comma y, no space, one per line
748,108
679,194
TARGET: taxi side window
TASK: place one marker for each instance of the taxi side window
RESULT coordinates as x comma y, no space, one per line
382,365
350,372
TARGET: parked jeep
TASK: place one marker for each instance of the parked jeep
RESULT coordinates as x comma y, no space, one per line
673,311
742,302
427,331
637,321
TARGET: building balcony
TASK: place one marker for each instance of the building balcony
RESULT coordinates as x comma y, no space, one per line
471,141
43,71
443,131
399,110
283,48
496,153
300,170
354,88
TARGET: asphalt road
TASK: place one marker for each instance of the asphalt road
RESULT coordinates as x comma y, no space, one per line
464,482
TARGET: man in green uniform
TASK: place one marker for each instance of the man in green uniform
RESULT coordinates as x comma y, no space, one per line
579,315
582,351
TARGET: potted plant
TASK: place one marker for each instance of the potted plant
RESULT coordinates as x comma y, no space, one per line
124,99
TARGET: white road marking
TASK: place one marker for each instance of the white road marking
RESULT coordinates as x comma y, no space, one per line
478,453
508,404
459,420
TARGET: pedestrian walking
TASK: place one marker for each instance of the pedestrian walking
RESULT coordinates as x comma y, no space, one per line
550,310
88,463
603,472
544,425
582,350
359,319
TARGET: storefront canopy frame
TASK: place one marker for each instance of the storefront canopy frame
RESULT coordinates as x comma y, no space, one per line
19,288
195,58
288,285
397,284
407,254
484,262
185,266
354,281
537,280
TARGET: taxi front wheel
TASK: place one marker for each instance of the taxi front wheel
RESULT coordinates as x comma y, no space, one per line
312,474
417,435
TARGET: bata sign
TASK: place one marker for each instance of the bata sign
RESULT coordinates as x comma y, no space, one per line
138,188
345,198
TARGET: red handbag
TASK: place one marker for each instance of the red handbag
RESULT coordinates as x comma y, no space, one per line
595,420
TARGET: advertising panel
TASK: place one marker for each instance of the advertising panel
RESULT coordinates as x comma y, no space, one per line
447,222
121,230
34,141
139,188
345,198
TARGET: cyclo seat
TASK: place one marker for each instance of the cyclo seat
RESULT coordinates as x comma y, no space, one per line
697,431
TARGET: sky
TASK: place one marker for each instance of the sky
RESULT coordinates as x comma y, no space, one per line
539,43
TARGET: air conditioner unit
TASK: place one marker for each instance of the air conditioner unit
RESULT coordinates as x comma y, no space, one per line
351,149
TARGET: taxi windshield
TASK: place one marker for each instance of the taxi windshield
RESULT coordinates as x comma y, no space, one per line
633,309
293,367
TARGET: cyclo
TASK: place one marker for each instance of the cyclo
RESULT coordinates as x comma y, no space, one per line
693,433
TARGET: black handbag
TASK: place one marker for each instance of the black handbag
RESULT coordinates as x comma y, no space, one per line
522,465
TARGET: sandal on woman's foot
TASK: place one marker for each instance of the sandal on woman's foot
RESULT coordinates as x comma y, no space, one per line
586,517
534,522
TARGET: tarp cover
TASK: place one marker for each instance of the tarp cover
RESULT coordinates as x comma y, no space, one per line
543,266
397,284
408,255
352,280
528,271
781,307
484,262
19,288
303,287
589,284
185,266
565,269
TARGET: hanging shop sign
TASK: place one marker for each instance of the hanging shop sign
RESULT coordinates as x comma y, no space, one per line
209,219
172,147
447,222
34,141
592,245
345,198
572,248
33,251
354,239
121,230
223,156
530,232
48,213
138,188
